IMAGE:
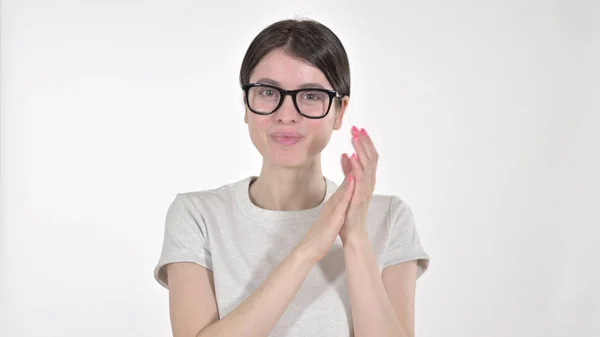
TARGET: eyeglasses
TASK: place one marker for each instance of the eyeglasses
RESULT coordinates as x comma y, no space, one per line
265,99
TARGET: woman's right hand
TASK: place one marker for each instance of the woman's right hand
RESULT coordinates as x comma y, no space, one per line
325,229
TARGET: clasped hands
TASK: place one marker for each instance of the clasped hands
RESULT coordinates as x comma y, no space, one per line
361,167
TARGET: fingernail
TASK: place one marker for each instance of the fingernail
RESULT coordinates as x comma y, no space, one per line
355,138
354,156
354,129
363,131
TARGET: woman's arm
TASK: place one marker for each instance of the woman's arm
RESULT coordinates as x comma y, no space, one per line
400,282
259,313
193,305
192,301
373,313
375,310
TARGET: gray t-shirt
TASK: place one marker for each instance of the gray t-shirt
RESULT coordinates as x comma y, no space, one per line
222,230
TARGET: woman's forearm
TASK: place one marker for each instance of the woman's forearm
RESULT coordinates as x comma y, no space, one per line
258,314
372,312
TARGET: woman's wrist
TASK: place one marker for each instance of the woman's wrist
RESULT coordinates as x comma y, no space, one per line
355,240
304,255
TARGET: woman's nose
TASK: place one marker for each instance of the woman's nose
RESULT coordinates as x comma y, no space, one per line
287,112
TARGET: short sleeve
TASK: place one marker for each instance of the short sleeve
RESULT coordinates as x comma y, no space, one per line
184,239
404,244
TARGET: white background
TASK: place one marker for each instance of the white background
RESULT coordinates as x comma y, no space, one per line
486,116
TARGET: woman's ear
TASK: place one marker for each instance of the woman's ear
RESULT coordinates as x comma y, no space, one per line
245,110
340,112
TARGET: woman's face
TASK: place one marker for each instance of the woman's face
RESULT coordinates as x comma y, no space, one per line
280,69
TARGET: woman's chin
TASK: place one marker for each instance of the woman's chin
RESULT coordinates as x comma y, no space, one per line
288,162
287,159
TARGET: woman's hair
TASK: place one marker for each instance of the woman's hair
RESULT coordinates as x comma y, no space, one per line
307,40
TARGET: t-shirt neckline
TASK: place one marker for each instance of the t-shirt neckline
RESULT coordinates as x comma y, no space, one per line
246,206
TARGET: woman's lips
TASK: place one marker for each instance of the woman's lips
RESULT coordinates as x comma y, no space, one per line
286,138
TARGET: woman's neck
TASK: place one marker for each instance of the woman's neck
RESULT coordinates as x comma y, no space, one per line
289,189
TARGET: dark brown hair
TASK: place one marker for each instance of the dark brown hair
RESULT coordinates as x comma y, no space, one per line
307,40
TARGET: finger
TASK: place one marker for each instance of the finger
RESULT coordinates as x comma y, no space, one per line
357,169
364,142
346,165
339,202
360,148
338,195
347,186
346,194
358,173
365,139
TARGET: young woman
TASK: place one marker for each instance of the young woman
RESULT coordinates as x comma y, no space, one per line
289,252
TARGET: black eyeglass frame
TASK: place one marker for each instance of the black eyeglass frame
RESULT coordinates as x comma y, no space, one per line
283,92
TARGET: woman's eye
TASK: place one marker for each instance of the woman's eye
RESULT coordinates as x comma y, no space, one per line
311,96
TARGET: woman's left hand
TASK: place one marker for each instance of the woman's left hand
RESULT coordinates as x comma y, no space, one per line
362,166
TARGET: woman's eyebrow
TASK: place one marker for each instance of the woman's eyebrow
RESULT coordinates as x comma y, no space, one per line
312,85
305,85
268,81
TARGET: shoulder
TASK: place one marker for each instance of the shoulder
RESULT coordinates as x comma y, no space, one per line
392,205
201,204
218,195
391,214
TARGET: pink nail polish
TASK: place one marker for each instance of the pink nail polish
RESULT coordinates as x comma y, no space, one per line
363,131
355,138
354,156
354,130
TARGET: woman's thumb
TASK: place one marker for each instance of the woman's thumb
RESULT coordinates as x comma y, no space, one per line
348,189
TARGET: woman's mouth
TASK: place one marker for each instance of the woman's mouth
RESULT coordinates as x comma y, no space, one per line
286,138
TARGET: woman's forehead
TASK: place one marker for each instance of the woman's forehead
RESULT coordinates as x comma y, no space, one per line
280,68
